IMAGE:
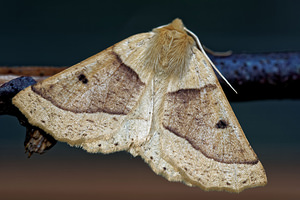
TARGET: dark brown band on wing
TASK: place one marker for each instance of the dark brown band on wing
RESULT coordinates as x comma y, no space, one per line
114,90
194,114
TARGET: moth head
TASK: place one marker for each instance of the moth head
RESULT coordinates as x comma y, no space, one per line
175,25
170,49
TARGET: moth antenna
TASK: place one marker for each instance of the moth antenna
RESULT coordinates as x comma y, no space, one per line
212,64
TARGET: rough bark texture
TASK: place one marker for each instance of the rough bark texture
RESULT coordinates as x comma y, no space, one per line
254,76
36,140
261,76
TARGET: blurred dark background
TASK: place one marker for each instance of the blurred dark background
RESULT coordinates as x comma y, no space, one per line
62,33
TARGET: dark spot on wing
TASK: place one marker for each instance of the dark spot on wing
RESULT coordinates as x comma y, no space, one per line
221,124
83,79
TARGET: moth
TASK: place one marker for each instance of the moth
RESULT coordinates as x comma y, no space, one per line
154,95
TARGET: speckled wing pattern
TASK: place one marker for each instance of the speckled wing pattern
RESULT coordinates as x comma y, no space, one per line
136,96
199,124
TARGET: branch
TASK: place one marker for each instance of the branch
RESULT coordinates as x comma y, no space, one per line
261,76
38,73
36,141
254,76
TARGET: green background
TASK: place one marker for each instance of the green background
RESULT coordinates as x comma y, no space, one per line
62,33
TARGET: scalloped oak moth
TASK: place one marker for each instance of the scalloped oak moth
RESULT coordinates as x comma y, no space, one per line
154,95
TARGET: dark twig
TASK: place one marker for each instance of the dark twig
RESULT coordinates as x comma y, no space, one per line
36,140
261,76
254,76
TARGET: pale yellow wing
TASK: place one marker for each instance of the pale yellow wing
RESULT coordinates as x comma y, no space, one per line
201,136
92,99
